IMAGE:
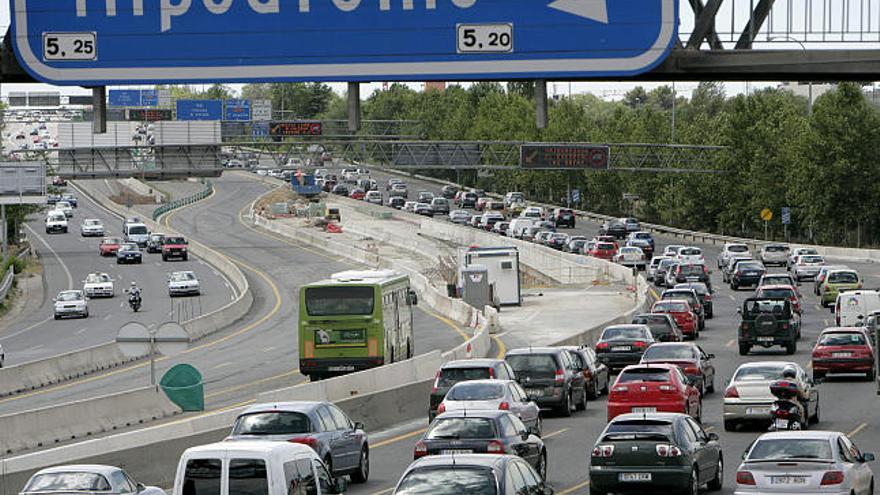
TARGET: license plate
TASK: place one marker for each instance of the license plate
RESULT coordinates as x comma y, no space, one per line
757,410
781,424
765,339
340,368
630,477
621,348
535,392
644,409
788,480
456,451
841,354
693,279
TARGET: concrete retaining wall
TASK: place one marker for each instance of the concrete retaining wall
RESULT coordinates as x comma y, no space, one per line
143,189
54,424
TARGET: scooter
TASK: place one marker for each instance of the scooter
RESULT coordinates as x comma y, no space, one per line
787,412
134,302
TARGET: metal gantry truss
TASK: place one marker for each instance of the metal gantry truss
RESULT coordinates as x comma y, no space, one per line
149,162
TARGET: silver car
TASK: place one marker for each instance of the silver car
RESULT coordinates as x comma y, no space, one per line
792,258
807,266
652,267
805,462
493,395
87,479
732,249
774,254
748,398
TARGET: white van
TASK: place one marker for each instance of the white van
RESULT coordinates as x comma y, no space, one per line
270,468
136,232
518,225
853,307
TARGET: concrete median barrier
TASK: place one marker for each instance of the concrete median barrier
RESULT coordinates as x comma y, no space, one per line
62,423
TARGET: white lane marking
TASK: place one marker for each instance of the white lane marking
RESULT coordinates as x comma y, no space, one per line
81,330
222,365
25,329
108,317
34,348
731,297
55,254
270,348
730,343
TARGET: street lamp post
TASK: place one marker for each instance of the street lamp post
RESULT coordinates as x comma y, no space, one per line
809,83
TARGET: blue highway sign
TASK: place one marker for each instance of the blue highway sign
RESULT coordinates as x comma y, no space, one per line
91,42
124,97
149,98
199,109
238,110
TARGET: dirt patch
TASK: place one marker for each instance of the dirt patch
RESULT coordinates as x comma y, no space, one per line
280,195
126,196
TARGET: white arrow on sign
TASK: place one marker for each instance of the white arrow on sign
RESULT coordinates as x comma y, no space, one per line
596,10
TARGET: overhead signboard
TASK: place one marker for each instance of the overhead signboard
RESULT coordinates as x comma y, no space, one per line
261,110
564,156
97,43
132,98
22,183
149,98
238,110
297,128
150,114
18,99
44,99
260,129
80,100
199,109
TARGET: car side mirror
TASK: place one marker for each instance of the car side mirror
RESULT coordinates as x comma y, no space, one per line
140,487
340,484
525,434
710,356
713,437
358,425
868,457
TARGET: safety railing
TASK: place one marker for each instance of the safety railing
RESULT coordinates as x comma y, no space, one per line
204,193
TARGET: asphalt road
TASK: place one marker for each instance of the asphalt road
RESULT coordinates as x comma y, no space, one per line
258,353
847,404
68,258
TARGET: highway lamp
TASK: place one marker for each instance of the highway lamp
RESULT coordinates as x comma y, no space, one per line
810,83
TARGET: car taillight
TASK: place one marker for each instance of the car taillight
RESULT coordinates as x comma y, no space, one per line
667,388
708,297
310,441
421,450
832,478
705,269
504,406
603,450
731,393
620,389
495,447
602,346
664,450
441,408
640,344
588,375
491,373
692,370
785,326
560,376
436,383
745,478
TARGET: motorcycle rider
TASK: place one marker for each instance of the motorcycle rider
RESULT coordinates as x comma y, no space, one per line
789,374
134,292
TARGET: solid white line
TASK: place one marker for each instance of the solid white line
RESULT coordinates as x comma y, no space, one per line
81,330
55,254
34,348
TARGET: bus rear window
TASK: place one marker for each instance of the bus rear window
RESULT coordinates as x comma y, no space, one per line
340,301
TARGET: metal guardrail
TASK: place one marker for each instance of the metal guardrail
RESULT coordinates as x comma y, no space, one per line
204,193
6,285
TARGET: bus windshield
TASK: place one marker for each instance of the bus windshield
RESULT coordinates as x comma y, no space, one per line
340,301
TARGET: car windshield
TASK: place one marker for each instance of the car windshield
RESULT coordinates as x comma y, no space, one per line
128,247
137,230
338,301
775,293
451,376
690,252
790,448
644,375
448,480
738,248
532,362
665,263
775,249
462,428
272,423
182,276
630,250
759,372
749,265
95,278
843,278
624,333
765,306
671,307
604,247
475,391
688,270
92,222
73,481
841,338
69,296
641,429
670,352
807,251
811,259
776,279
111,241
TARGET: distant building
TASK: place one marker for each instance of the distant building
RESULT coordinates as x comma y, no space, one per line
435,85
803,89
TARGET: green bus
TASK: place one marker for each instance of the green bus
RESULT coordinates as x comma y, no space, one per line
354,321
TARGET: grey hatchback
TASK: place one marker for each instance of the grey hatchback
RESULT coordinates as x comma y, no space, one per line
341,443
471,474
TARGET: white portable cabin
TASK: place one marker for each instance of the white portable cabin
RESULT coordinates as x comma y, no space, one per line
503,269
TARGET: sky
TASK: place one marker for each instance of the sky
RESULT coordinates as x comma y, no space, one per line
783,29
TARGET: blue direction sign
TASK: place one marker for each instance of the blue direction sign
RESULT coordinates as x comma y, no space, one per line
199,109
786,215
149,98
89,43
238,110
124,98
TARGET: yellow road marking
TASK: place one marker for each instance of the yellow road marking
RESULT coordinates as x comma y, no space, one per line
574,488
451,324
551,435
502,349
383,492
397,438
857,430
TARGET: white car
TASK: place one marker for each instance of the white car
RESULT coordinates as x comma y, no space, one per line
732,249
806,266
630,256
533,212
774,254
791,462
98,285
183,283
65,207
792,258
92,227
748,398
71,303
651,270
56,221
489,395
410,206
374,197
671,250
690,256
86,478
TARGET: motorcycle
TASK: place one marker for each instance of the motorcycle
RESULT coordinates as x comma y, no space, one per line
134,302
787,412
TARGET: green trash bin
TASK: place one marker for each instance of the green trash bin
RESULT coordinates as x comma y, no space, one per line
183,385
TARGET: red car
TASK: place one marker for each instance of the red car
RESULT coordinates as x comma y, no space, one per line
604,251
785,291
109,246
690,358
843,350
357,193
652,388
608,238
681,312
174,247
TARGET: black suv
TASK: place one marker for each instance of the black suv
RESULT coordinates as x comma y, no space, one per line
692,273
550,377
464,370
767,322
563,217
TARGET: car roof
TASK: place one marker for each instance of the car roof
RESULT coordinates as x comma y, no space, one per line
471,363
775,364
675,344
468,460
253,447
84,468
294,406
664,301
485,381
805,434
776,286
843,330
655,415
474,413
665,366
534,350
